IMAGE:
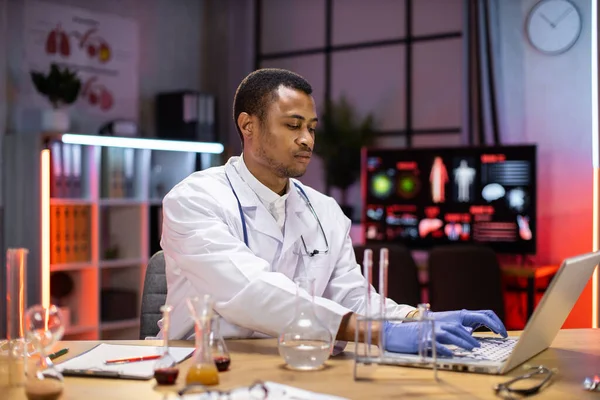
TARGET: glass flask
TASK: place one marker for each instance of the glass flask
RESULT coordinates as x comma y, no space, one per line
203,370
44,327
306,343
218,349
165,368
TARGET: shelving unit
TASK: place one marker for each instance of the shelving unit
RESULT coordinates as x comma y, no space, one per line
106,259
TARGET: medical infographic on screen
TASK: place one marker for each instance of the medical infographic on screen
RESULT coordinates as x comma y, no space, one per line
428,197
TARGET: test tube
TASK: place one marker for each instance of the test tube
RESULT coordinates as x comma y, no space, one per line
423,336
383,291
368,273
16,292
16,305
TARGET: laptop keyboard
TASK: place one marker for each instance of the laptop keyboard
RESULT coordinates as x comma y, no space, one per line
492,349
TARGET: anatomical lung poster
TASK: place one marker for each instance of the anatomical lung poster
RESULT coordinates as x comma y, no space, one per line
102,48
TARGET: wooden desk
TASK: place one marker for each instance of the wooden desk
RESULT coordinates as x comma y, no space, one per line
576,354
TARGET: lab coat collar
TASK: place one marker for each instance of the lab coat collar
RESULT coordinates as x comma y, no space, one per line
298,218
255,212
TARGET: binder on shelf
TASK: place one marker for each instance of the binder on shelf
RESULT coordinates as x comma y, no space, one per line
77,167
118,175
206,117
112,179
67,168
55,244
105,172
65,232
57,184
57,229
74,233
84,231
129,172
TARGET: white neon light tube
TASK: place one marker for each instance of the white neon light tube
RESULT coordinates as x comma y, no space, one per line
45,226
140,143
595,149
595,161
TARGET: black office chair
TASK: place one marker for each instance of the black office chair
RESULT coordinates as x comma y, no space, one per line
465,276
403,278
154,295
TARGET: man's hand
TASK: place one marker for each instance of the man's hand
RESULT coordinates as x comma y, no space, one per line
472,319
404,337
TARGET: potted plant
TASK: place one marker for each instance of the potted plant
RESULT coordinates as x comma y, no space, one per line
340,138
61,87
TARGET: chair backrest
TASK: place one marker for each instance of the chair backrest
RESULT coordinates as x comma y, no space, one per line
154,295
465,276
403,276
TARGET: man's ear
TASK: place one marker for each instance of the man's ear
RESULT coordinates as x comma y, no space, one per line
246,124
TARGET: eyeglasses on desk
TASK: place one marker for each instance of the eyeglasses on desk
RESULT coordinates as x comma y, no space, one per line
527,384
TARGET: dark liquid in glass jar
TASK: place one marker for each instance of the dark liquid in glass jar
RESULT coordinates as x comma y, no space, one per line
166,376
222,363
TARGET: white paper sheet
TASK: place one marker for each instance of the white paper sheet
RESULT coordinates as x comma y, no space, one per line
94,359
276,391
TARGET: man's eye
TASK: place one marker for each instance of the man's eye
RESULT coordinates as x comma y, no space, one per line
293,126
312,130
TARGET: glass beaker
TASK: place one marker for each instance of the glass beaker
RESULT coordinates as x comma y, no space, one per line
218,349
203,371
165,370
44,327
305,344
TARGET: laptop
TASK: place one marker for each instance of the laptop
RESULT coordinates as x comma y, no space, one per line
498,355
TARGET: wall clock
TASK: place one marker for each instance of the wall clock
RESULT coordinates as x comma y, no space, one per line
553,26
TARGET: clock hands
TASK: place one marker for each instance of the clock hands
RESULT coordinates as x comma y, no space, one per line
547,20
562,16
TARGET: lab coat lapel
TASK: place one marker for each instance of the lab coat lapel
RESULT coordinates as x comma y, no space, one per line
297,220
257,216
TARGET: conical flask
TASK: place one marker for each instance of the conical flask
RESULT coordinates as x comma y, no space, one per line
203,370
165,368
218,348
305,344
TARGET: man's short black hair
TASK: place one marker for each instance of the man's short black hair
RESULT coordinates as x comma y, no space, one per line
258,90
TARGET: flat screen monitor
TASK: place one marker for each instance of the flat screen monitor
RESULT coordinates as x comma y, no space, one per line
436,196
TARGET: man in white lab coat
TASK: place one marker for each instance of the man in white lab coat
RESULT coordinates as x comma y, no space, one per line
243,231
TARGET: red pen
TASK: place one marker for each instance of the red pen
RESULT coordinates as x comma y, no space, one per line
132,359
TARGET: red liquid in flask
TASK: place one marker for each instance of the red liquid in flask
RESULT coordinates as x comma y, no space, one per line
222,363
166,376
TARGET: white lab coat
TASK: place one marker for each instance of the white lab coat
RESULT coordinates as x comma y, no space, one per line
253,286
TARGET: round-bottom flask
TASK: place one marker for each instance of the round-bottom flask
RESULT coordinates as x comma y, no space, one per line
44,328
305,344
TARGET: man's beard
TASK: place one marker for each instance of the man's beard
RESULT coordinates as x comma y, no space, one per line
280,169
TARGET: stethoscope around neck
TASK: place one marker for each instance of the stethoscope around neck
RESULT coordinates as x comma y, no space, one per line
308,204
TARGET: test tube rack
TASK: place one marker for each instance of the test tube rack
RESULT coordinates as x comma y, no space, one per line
365,353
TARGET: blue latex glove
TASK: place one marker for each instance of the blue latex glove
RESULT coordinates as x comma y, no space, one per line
472,319
404,337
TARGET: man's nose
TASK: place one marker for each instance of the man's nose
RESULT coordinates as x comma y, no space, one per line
306,139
